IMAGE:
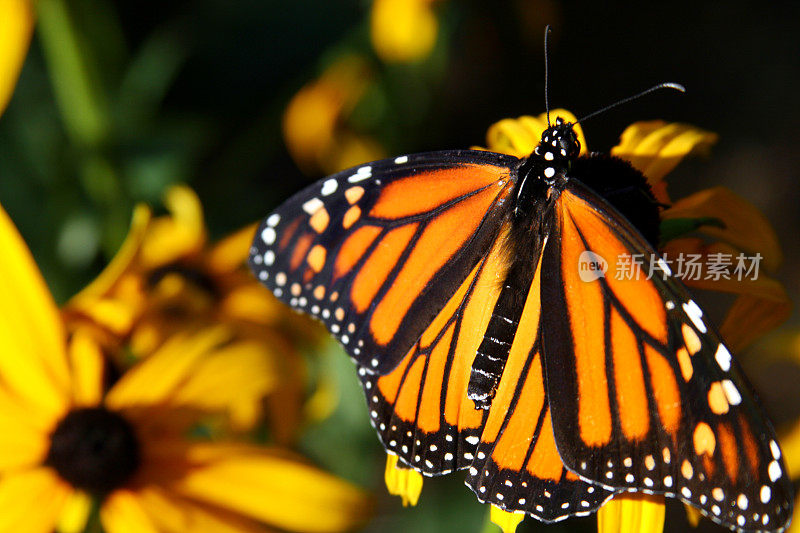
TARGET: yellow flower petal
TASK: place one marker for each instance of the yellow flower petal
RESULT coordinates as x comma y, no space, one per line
349,150
121,262
170,512
31,500
231,252
275,490
632,513
16,25
34,363
311,117
745,226
236,375
693,515
519,136
157,378
253,303
656,147
75,513
122,512
790,445
23,438
117,315
508,522
403,30
403,482
323,401
750,317
179,235
88,365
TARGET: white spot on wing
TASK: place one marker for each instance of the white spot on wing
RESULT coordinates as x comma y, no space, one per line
731,392
400,160
742,502
723,357
775,449
329,187
664,266
694,312
268,235
774,471
361,174
273,219
312,206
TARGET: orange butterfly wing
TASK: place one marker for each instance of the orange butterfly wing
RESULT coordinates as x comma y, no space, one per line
420,409
517,466
643,394
376,251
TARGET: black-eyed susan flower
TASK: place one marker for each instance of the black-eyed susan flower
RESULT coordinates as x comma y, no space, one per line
71,444
403,31
167,278
315,121
16,26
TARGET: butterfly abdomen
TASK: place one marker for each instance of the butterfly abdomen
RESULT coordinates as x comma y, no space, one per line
523,249
492,354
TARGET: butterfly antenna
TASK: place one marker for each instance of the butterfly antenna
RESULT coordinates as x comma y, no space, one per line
668,85
546,101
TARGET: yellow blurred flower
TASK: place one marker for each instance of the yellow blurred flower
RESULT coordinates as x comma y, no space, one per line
403,482
166,278
71,443
632,513
403,31
314,123
16,26
505,520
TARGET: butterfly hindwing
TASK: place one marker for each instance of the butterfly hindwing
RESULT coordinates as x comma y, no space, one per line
517,466
644,395
376,251
420,409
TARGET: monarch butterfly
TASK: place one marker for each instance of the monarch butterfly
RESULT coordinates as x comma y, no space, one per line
453,279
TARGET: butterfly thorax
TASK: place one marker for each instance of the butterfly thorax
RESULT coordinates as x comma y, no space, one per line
551,159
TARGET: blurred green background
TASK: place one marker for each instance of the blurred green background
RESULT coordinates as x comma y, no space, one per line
118,100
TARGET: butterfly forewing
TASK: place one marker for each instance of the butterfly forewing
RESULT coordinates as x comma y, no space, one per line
644,395
376,251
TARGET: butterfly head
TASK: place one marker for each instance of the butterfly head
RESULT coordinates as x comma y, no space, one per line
559,142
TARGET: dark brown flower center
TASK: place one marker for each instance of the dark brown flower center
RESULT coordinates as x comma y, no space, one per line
94,449
191,274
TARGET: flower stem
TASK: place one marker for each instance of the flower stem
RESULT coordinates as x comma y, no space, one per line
85,111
